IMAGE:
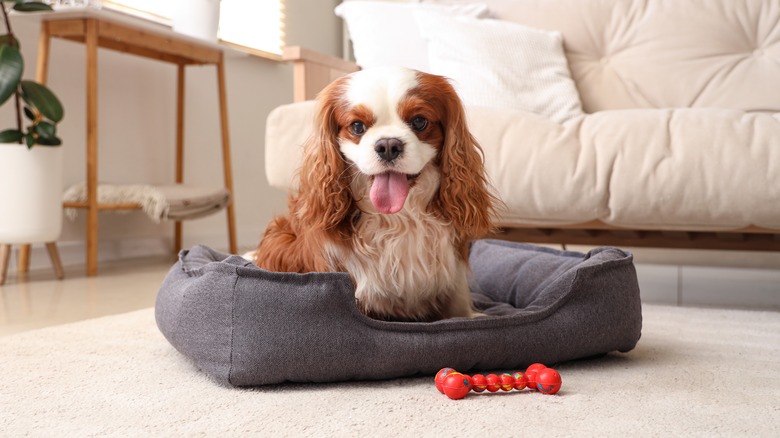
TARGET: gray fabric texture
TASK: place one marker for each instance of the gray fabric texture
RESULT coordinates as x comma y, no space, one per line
245,326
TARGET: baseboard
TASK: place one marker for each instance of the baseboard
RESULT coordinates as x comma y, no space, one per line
685,285
73,253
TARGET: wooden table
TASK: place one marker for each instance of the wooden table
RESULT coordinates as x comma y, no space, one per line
96,29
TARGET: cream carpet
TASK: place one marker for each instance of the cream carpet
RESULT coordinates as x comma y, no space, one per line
695,372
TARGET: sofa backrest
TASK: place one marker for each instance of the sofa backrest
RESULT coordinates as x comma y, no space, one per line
663,53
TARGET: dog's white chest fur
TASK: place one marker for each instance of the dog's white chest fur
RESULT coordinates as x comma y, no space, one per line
404,264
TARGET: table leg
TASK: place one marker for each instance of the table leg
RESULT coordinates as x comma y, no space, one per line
91,41
228,172
177,242
42,67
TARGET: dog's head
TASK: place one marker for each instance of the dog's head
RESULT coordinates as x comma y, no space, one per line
388,139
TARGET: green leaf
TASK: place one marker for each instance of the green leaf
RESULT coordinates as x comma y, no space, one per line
30,139
54,141
29,113
45,130
10,136
42,99
32,7
11,68
6,40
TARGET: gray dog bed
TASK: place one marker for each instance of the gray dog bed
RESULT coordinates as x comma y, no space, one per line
245,326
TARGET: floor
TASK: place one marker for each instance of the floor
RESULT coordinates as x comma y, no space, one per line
38,300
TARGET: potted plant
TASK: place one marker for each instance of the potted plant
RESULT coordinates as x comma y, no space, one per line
30,159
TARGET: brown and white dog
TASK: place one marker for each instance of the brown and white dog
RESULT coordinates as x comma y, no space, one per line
392,191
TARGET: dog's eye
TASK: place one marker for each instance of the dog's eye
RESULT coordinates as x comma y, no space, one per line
418,124
358,128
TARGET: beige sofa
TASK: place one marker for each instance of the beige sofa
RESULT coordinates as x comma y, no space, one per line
679,146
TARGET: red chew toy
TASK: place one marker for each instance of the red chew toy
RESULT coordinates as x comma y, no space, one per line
493,382
478,383
520,380
440,377
507,382
538,377
456,386
530,374
548,381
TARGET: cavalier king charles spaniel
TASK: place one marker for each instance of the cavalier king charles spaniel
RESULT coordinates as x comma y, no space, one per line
392,191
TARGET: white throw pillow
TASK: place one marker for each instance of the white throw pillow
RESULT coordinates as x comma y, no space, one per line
385,33
502,64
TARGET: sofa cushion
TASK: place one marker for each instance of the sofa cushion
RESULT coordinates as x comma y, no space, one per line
663,53
694,169
501,64
385,33
703,169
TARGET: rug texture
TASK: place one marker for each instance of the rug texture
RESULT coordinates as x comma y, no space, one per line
695,372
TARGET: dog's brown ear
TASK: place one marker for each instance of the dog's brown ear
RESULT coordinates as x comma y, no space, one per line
324,198
464,197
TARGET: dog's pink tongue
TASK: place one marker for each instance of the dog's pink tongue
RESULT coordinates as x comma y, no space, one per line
389,191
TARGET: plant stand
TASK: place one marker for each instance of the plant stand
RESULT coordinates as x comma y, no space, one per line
5,258
30,202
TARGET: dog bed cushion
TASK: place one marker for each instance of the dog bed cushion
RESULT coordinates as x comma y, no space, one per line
245,326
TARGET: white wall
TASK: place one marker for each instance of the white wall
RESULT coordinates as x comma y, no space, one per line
137,133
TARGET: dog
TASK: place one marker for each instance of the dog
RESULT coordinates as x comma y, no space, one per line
392,191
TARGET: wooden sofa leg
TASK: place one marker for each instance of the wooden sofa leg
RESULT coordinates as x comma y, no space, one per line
54,255
5,257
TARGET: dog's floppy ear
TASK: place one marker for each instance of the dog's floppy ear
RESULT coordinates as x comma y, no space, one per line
324,198
464,197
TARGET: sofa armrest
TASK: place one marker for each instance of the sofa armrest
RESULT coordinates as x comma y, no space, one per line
312,71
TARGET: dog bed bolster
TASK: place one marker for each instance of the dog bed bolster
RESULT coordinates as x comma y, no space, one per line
245,326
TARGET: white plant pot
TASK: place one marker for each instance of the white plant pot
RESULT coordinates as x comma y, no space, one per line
30,193
197,18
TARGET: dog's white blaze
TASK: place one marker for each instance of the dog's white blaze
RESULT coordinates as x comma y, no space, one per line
381,89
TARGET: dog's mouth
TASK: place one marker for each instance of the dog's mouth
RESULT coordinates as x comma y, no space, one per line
389,191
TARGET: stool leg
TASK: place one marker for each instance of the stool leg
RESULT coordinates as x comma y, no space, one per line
54,255
5,257
23,263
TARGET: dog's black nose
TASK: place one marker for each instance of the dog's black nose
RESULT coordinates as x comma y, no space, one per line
388,149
